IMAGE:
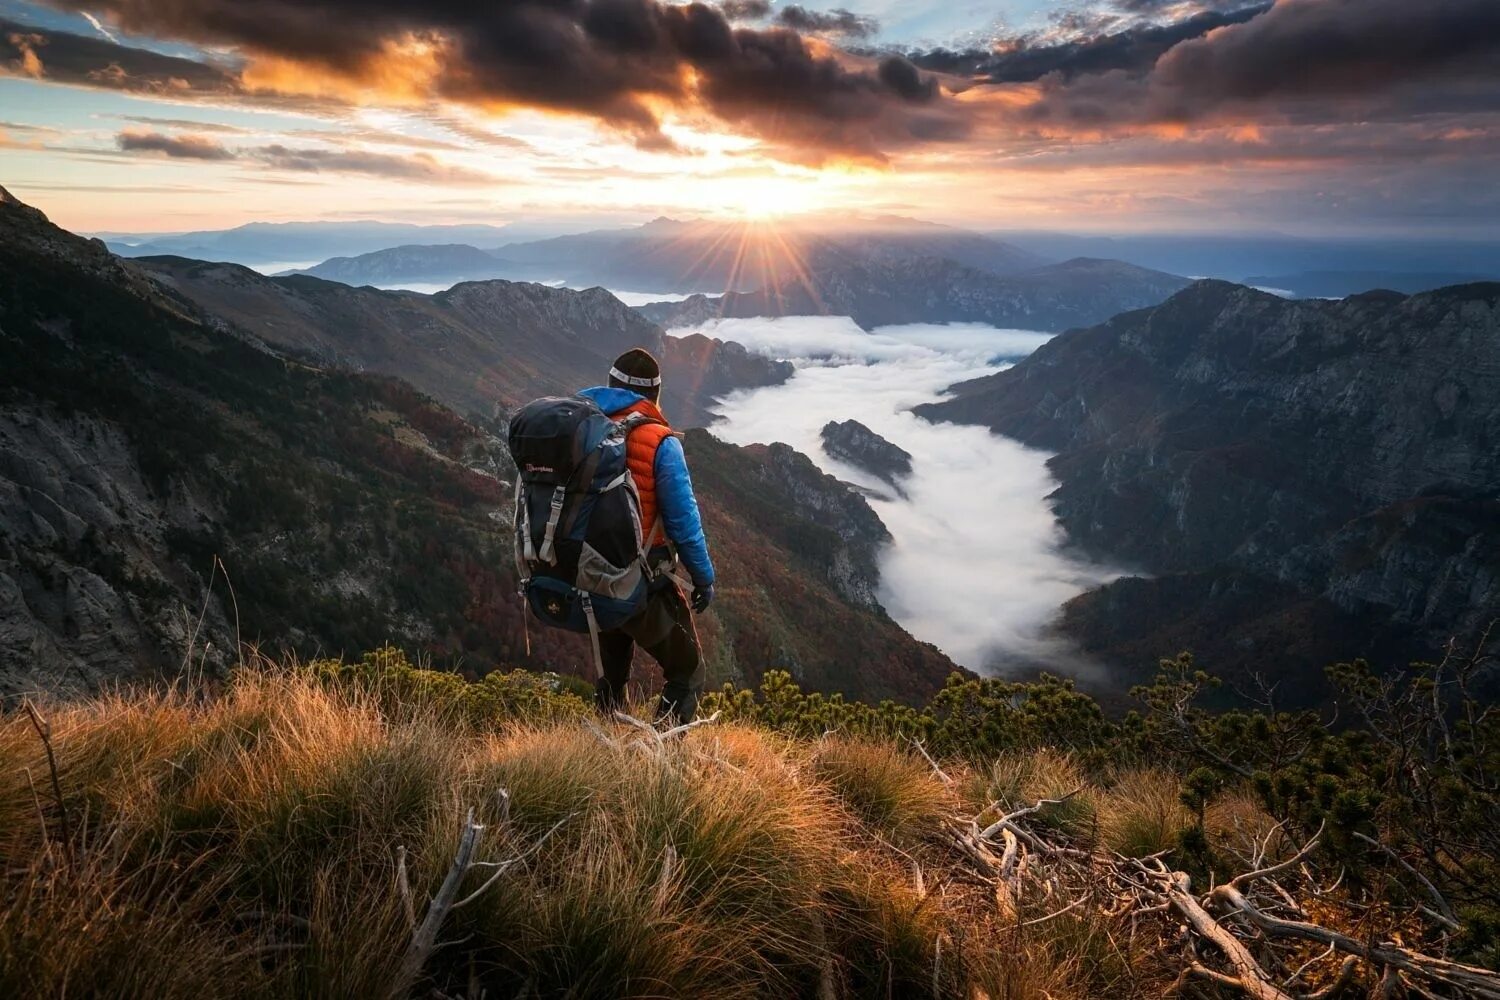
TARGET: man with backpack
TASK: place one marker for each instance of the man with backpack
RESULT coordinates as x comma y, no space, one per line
593,468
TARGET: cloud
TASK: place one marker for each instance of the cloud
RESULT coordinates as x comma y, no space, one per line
939,568
833,22
1133,50
81,60
621,62
1300,60
416,167
177,147
312,160
746,10
99,27
23,58
182,123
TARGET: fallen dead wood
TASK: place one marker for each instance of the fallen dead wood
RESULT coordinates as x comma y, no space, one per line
1249,934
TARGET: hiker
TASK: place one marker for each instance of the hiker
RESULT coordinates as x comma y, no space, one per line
604,515
665,629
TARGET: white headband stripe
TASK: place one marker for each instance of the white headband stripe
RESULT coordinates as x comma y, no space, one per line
615,373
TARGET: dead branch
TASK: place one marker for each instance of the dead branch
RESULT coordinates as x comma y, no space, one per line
1444,914
424,939
44,731
942,775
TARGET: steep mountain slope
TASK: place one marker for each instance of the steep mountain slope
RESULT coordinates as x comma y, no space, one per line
147,451
885,291
473,346
1324,470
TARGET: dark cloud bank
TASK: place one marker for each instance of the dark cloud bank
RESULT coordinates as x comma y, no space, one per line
615,60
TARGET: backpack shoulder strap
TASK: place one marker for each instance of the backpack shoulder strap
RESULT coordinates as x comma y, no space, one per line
638,419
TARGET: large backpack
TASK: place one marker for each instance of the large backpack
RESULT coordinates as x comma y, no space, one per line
579,548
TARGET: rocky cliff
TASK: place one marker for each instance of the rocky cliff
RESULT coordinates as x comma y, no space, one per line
882,290
851,441
1341,459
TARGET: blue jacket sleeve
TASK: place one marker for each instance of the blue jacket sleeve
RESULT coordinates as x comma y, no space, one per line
679,511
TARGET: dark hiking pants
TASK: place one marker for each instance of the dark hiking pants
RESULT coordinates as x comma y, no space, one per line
666,630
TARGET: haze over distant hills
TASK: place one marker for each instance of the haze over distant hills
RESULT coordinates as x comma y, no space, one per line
271,242
1240,257
884,291
1338,284
667,255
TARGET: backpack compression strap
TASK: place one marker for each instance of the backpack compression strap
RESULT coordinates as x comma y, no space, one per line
558,495
588,614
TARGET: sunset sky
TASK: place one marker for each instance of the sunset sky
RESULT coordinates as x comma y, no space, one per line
1318,117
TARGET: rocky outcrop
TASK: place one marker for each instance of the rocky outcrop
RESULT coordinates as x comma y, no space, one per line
851,441
1345,452
821,499
881,291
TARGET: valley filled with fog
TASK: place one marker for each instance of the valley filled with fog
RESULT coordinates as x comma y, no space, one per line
977,565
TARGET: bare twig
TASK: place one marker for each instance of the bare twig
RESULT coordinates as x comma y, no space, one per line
928,757
403,886
44,731
1445,914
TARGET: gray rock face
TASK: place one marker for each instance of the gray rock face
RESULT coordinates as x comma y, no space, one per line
851,441
824,501
85,565
1347,450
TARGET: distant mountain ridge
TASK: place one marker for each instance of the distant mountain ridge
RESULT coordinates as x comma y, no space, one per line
264,242
443,263
667,255
1307,479
472,346
883,292
1341,284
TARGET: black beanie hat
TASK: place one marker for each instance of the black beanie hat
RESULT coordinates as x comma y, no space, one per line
637,371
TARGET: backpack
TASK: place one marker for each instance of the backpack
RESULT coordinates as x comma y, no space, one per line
579,550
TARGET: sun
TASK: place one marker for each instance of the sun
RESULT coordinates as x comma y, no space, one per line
768,197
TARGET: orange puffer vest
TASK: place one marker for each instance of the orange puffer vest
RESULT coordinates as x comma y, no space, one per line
640,456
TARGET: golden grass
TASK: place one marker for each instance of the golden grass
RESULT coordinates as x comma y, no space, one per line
245,845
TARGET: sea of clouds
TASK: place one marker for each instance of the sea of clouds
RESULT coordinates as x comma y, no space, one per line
977,566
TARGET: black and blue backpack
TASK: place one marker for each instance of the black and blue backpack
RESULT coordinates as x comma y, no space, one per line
579,550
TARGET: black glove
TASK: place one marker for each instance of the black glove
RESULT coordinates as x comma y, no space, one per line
701,598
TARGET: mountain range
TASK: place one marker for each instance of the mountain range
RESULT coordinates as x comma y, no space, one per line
473,347
1304,480
273,242
879,291
669,255
173,482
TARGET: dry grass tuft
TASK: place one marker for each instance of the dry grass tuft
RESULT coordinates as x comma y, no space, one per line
1142,813
246,845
